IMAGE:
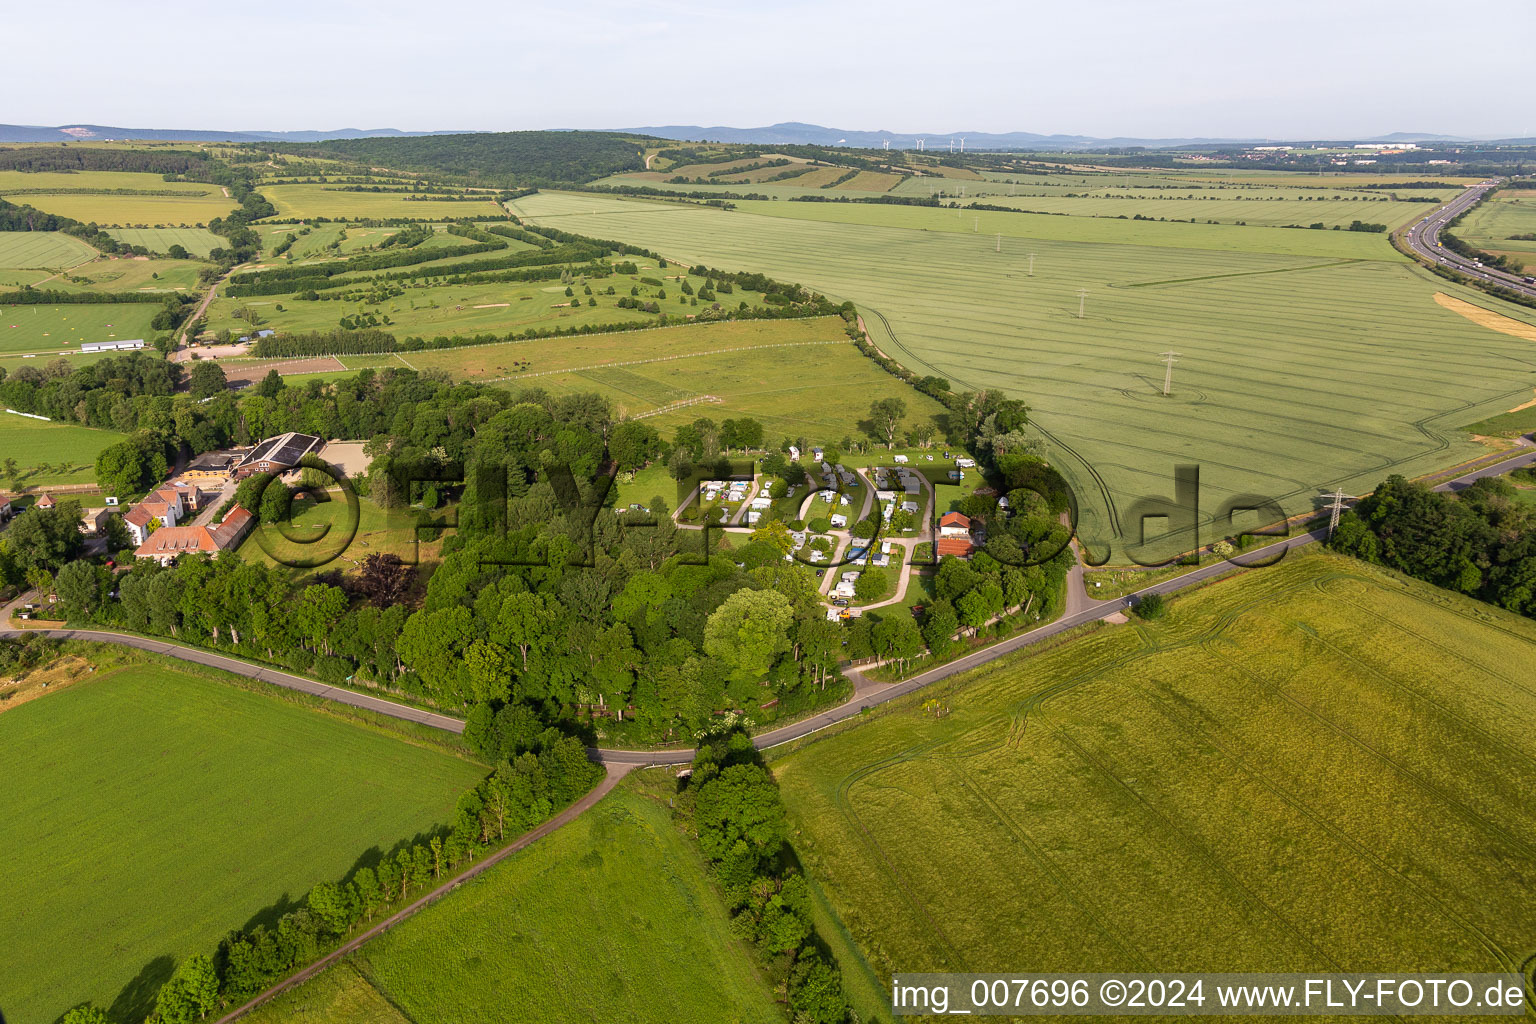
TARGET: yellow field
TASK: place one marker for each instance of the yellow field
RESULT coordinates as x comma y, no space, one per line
303,201
1488,318
872,181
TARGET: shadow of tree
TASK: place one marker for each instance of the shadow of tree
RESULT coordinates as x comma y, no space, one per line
137,998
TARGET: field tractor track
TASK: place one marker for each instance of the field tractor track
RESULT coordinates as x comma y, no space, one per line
1322,585
1062,883
1234,758
1200,852
891,870
1405,772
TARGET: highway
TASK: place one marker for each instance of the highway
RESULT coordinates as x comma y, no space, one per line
1423,237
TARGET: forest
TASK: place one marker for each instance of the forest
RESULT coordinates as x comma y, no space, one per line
490,158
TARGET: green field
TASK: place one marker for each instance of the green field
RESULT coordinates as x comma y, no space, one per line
795,376
1308,359
42,249
610,918
320,529
133,274
158,809
303,201
197,241
51,330
1491,225
1318,766
429,309
52,453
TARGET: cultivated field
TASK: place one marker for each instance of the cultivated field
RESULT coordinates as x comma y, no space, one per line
1307,359
1314,767
1492,226
50,330
158,809
303,201
42,249
112,198
132,274
609,918
197,241
49,454
794,376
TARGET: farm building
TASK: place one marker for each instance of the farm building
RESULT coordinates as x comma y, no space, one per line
955,535
93,521
169,544
209,466
276,454
6,508
127,345
164,506
44,501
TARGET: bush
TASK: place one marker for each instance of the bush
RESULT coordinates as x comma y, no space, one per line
871,586
820,525
1150,607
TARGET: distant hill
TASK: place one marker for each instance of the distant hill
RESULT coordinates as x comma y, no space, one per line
97,132
797,132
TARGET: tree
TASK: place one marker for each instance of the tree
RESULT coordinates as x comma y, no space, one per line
939,627
871,586
191,992
46,538
207,379
86,1014
271,385
82,586
1150,606
887,414
748,631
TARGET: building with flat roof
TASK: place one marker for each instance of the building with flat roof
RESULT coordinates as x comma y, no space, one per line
125,345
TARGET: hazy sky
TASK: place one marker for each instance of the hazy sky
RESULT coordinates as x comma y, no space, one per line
1150,68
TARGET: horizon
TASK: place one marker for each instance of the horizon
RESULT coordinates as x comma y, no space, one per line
1171,72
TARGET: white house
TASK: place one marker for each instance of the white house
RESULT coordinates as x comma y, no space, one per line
899,459
839,520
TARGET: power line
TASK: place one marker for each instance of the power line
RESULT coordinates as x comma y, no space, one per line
999,241
1170,358
1031,264
1335,509
1082,297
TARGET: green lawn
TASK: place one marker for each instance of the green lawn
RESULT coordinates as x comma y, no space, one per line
52,330
610,918
1265,323
1318,766
323,530
155,809
52,453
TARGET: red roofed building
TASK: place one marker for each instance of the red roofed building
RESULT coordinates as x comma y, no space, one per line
44,500
955,535
169,543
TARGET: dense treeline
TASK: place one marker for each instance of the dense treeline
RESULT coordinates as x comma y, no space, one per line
517,796
44,297
491,158
1481,541
193,164
732,807
306,279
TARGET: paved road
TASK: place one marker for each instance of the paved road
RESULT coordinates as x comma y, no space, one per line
866,692
1424,238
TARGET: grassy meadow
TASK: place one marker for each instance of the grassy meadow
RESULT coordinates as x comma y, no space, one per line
609,918
795,376
1319,766
52,330
156,809
1307,359
1491,226
49,454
